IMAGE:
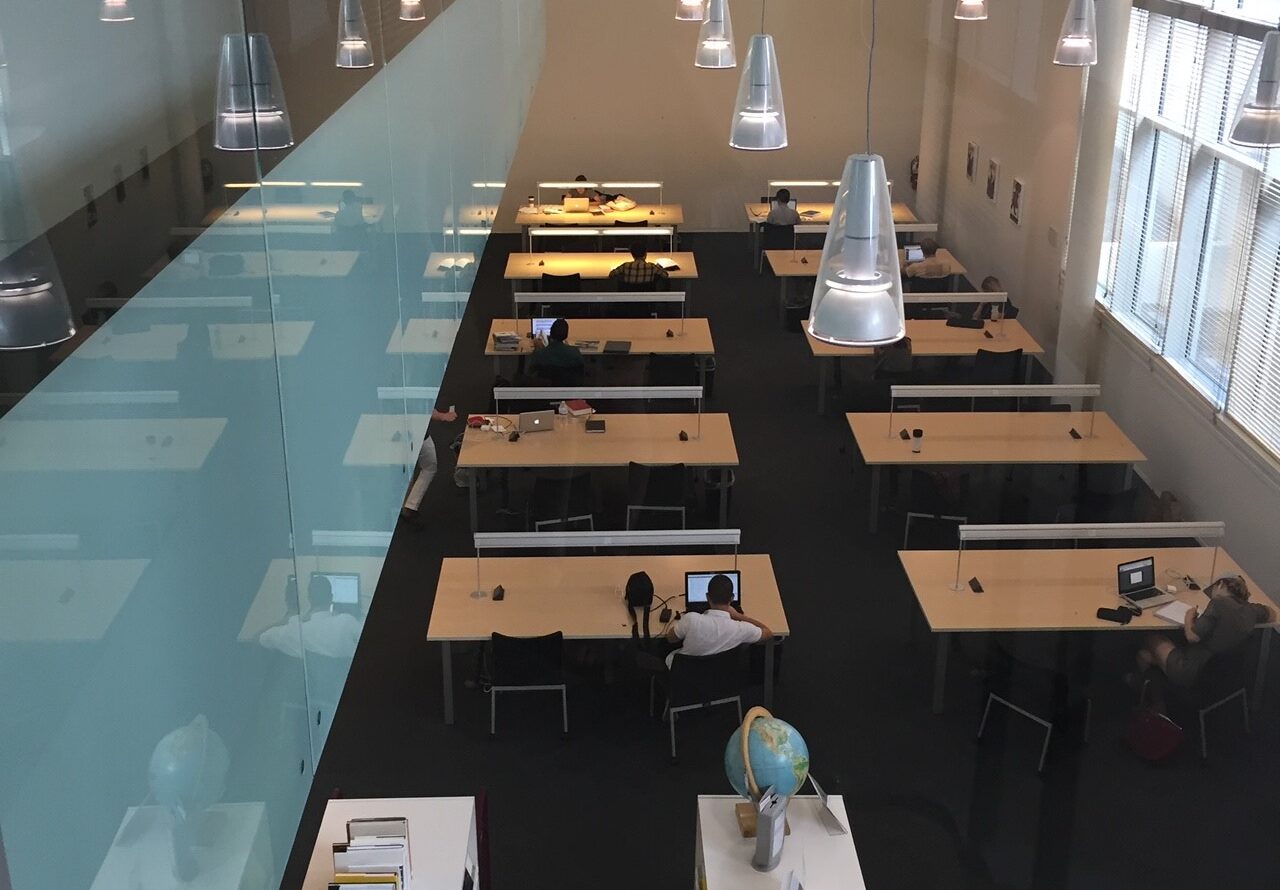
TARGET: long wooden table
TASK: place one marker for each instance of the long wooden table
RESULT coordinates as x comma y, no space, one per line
988,437
307,216
815,215
593,266
648,336
932,338
1053,590
643,438
665,215
581,596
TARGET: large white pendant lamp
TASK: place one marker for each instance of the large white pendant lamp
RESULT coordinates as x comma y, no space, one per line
1257,122
251,111
971,10
1078,41
759,122
412,11
690,10
715,38
354,50
115,11
34,309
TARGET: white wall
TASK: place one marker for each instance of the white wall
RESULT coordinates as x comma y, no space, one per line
619,98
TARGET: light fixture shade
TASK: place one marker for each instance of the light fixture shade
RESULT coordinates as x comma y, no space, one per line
1078,42
971,10
1257,122
34,309
115,11
251,110
412,11
354,50
690,10
857,300
759,122
715,38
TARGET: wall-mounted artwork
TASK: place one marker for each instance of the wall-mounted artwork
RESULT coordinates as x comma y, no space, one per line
971,162
1015,202
993,179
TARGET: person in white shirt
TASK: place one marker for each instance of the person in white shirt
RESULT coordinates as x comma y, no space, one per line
323,631
719,629
781,213
426,470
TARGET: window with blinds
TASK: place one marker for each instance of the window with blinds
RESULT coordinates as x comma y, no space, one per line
1191,254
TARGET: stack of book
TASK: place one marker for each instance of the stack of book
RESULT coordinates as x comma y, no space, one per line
506,341
374,857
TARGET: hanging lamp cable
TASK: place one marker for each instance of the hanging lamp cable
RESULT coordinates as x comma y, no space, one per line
871,55
762,5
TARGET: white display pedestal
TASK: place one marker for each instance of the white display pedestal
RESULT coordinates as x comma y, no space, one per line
821,861
442,838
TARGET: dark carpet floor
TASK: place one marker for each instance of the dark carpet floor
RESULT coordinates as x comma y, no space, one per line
930,807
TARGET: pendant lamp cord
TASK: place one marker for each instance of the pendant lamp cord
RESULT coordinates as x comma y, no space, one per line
871,55
762,5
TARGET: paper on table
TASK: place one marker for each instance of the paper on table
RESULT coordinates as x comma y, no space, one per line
1174,612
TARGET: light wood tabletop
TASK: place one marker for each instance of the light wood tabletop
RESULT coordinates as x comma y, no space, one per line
818,213
593,266
993,437
441,264
257,263
1048,590
957,268
932,337
285,214
805,263
647,335
656,214
643,438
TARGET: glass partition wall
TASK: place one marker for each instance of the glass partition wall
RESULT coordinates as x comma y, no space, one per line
231,272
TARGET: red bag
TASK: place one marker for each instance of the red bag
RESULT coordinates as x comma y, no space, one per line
1152,736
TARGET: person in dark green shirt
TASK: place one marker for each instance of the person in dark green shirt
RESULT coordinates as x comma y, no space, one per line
557,361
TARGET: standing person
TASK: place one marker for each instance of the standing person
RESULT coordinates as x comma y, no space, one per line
639,273
719,629
781,213
426,469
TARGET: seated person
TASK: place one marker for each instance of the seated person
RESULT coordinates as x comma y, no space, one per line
1225,625
781,213
581,192
639,273
719,629
991,285
556,360
350,211
323,631
932,266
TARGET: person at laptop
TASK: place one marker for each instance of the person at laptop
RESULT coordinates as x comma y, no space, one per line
992,285
1227,622
554,359
323,631
932,266
781,213
581,192
719,629
639,273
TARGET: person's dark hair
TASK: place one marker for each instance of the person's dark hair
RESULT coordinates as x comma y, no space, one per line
783,196
349,197
581,177
720,591
559,330
1232,584
929,247
638,251
991,285
319,593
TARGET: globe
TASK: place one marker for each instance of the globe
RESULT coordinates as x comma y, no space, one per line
188,768
778,754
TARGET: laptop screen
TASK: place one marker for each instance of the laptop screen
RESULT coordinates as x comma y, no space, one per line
1137,575
345,587
695,586
543,326
915,253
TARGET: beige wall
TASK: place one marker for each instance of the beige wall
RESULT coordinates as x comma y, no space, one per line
619,98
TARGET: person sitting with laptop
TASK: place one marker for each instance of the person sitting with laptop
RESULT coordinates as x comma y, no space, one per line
324,631
639,274
554,359
781,213
1224,626
720,628
992,285
593,195
932,266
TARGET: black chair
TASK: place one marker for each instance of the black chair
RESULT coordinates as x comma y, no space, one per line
555,375
672,370
938,498
561,502
1223,680
920,285
567,284
775,238
995,369
703,681
527,664
655,489
1022,684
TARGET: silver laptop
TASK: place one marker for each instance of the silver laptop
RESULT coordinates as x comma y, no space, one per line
537,421
915,253
1137,582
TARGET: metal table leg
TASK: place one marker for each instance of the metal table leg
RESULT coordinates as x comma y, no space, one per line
446,656
473,483
782,301
1260,679
822,387
940,672
873,518
768,673
724,497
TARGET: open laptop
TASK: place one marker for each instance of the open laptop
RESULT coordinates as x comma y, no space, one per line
1137,582
542,327
536,421
577,205
345,587
695,589
915,253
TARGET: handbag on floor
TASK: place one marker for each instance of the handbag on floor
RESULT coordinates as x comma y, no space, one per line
1150,734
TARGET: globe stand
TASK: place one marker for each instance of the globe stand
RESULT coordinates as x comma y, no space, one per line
770,830
748,820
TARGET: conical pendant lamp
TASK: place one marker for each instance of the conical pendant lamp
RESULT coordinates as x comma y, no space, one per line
690,10
115,11
34,309
759,122
354,50
1257,122
858,297
412,11
715,38
251,111
971,10
1078,41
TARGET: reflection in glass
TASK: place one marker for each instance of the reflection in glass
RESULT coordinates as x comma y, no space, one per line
1257,122
115,11
354,50
251,110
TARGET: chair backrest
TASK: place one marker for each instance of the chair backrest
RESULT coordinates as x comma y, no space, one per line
562,283
921,285
636,224
778,237
557,375
996,368
527,661
655,485
699,679
672,370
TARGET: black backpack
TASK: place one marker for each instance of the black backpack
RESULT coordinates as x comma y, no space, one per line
639,596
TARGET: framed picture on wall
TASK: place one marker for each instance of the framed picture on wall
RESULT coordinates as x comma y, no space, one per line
1015,202
993,179
971,162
